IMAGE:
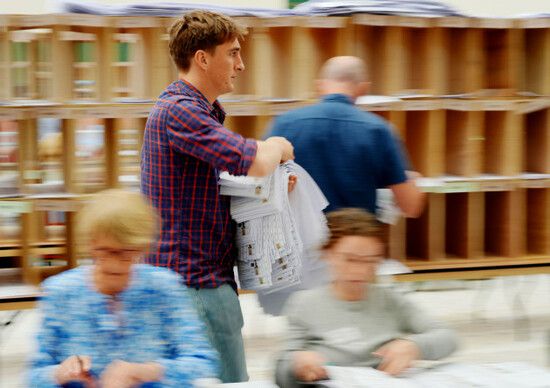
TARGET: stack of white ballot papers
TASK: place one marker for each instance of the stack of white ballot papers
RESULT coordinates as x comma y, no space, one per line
452,375
268,235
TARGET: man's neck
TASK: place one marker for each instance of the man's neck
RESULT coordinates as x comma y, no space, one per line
342,93
335,87
349,292
352,98
201,86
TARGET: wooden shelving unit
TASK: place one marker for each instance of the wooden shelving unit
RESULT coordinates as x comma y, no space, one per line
475,119
535,55
271,41
537,221
64,153
315,40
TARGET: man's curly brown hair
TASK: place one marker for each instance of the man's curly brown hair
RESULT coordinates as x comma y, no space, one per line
200,30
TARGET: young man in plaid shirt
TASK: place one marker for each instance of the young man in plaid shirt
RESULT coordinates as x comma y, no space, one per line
185,147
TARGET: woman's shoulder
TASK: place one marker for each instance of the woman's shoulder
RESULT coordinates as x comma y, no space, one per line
303,299
387,296
71,280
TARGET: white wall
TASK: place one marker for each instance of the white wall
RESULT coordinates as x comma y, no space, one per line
44,6
473,7
499,7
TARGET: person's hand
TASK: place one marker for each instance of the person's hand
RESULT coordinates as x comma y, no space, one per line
75,368
292,179
308,366
397,356
122,374
413,175
286,147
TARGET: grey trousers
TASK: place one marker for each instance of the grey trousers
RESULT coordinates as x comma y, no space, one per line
220,310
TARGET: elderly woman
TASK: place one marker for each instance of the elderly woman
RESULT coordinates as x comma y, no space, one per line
117,323
351,321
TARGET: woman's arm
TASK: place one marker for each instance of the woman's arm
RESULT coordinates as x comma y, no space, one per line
193,355
45,360
295,363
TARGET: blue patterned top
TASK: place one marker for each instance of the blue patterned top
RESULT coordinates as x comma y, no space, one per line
156,322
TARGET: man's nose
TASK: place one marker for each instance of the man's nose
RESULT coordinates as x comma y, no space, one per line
240,65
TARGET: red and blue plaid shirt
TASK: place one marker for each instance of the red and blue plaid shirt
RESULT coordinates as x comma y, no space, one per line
185,147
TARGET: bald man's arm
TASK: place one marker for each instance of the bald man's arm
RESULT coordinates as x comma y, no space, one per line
408,196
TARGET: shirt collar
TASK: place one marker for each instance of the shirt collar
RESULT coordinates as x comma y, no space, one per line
338,98
191,91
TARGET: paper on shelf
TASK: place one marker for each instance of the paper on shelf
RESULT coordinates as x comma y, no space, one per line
19,290
376,99
392,267
534,176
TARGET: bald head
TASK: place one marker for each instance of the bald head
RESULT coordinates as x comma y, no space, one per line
343,75
344,69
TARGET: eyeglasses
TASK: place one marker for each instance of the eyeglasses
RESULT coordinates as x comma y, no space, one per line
123,254
357,259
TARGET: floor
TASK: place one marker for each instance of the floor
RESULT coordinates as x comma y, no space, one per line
502,319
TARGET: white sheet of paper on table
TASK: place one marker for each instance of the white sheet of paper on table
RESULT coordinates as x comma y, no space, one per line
452,375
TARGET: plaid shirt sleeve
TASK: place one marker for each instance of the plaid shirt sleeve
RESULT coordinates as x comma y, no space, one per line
193,131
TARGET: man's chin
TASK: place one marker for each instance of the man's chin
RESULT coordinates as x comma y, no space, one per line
229,90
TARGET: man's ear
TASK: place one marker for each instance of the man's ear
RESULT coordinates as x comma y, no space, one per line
201,59
319,87
362,88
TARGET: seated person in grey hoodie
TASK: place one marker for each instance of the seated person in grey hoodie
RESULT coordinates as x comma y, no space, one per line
352,321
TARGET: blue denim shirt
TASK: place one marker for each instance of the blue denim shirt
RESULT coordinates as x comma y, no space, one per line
157,322
350,153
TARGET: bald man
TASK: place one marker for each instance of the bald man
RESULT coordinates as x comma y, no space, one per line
350,153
